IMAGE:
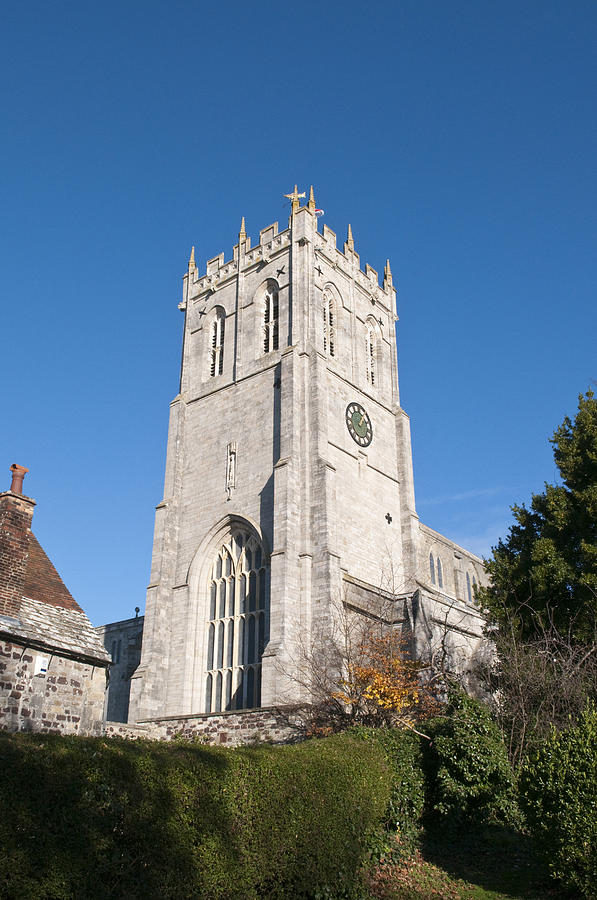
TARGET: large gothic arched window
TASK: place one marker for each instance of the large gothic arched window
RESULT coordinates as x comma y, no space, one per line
238,597
329,323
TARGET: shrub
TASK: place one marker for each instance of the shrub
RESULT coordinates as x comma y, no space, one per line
558,789
95,818
402,752
468,773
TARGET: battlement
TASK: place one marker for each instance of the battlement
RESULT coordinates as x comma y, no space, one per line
218,270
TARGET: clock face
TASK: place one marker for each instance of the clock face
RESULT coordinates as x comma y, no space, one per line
359,424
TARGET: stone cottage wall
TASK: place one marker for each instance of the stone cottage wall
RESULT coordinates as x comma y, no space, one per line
67,699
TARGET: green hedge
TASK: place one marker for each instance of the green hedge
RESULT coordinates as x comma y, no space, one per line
558,789
402,752
96,818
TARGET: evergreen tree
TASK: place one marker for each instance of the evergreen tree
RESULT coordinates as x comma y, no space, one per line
545,572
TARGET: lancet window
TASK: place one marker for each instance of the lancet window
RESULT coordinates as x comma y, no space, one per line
371,354
432,568
216,349
270,318
469,592
238,598
440,574
329,324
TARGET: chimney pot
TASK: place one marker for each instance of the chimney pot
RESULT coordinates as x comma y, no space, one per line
18,473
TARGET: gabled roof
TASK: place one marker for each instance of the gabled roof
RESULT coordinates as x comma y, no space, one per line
42,581
49,617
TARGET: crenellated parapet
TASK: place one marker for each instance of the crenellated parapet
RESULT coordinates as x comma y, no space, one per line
303,221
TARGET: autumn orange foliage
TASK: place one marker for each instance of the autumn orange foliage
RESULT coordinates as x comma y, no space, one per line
382,684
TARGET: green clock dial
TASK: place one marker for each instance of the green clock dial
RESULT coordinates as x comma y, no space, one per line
359,424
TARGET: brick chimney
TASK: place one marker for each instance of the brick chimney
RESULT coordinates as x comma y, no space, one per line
16,512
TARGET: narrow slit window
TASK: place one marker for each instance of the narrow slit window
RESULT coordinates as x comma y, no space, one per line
431,568
329,321
216,366
270,319
371,354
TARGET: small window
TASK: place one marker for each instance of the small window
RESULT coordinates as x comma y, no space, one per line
431,568
371,352
468,588
329,324
474,589
216,359
270,319
440,574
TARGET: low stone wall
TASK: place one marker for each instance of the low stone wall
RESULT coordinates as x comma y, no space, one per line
230,728
68,698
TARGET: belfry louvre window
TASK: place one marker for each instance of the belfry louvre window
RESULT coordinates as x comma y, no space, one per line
238,597
270,319
329,324
370,354
216,360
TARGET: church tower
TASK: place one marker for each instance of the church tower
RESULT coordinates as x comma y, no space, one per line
289,483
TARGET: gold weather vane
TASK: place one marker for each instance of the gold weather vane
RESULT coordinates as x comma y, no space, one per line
295,197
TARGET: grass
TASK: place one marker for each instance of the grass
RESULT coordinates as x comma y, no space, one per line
494,864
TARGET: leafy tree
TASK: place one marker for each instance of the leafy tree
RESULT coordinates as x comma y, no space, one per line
546,570
469,779
558,789
382,684
358,670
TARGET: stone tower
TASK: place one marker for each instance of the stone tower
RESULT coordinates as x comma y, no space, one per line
289,482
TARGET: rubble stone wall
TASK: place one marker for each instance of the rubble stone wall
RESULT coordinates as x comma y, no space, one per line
68,698
229,728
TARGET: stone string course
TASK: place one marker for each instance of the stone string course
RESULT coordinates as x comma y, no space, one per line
230,728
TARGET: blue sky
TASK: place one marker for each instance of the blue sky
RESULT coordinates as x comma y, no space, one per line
458,139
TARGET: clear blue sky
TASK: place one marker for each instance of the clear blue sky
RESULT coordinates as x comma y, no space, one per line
459,139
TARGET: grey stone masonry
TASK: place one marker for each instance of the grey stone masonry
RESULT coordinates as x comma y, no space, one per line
288,478
122,640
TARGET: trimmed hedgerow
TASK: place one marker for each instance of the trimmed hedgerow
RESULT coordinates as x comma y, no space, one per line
402,752
95,818
469,777
558,791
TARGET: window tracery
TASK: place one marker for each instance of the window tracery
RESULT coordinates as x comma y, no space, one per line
238,598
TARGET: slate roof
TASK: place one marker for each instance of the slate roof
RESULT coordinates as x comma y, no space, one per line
49,615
